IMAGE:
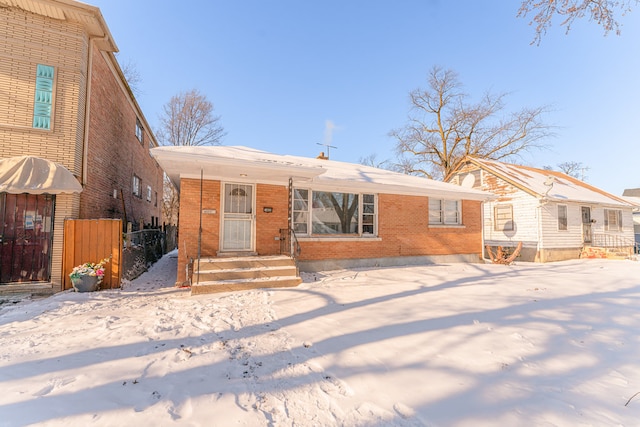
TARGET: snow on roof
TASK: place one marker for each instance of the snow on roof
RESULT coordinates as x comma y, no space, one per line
248,164
552,185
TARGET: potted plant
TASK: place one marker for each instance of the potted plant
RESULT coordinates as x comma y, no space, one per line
88,276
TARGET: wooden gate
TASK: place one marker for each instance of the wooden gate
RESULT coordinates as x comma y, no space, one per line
90,240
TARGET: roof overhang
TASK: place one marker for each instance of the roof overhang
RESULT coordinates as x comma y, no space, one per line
84,14
243,164
183,164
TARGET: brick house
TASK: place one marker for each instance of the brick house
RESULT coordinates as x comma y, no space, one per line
555,216
65,99
341,214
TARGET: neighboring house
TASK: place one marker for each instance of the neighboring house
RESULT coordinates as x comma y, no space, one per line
554,215
633,195
342,214
64,99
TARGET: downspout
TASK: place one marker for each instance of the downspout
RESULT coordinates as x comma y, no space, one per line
539,232
482,206
200,227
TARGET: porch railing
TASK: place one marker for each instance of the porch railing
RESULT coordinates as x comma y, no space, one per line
289,244
615,242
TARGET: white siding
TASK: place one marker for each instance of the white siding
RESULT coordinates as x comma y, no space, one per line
554,238
627,222
525,218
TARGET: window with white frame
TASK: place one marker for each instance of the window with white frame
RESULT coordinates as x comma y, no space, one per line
503,217
444,212
136,186
333,213
301,211
149,193
612,219
139,131
562,217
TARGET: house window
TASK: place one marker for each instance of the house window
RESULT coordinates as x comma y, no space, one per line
43,102
322,212
149,193
368,214
612,220
301,211
155,203
562,217
444,212
137,191
139,131
503,217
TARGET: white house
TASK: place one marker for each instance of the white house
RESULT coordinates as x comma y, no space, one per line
555,216
633,195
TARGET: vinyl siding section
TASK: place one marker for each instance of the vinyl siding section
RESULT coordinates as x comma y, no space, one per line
554,238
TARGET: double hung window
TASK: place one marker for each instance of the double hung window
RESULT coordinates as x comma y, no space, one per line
562,217
444,212
139,131
612,220
503,217
136,186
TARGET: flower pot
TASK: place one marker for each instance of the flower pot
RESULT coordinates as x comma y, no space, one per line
85,283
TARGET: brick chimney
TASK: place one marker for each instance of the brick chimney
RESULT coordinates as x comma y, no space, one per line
322,156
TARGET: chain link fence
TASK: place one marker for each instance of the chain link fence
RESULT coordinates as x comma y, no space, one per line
143,248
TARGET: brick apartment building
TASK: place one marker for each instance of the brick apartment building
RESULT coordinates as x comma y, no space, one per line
64,98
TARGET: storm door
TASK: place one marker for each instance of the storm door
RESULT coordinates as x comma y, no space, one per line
238,217
26,234
586,224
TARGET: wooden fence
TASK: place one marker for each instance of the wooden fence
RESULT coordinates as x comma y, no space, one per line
90,240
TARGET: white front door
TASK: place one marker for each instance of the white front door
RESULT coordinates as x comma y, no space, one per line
238,217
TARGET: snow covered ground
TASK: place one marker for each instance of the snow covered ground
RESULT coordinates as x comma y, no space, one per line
443,345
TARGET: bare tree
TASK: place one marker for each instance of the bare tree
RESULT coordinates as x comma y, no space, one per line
187,120
132,75
574,169
443,128
603,12
170,201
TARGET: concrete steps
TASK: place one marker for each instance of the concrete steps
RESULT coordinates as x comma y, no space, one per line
225,274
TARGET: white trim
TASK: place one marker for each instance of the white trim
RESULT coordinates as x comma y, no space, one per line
329,238
252,218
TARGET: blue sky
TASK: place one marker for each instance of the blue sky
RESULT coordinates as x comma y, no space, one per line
287,75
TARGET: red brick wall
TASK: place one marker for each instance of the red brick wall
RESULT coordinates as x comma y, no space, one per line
189,221
115,154
402,227
404,231
268,225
